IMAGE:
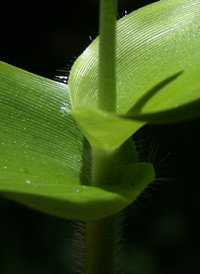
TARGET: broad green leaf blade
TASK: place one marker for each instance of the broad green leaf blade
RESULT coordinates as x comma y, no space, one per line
78,201
45,161
151,107
153,43
104,130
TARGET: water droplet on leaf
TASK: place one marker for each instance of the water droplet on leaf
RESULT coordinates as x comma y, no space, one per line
63,108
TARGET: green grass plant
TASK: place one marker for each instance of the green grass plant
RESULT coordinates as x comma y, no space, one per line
66,150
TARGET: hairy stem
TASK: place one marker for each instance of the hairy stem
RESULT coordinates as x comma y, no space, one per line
99,247
100,234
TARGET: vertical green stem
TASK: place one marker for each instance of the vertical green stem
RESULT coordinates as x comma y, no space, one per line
104,167
100,238
100,234
107,55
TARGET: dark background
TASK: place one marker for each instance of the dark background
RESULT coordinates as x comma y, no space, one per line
162,227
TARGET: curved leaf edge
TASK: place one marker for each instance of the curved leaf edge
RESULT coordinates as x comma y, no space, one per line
102,201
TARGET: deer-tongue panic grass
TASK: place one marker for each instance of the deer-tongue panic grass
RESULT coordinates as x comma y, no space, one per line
82,163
